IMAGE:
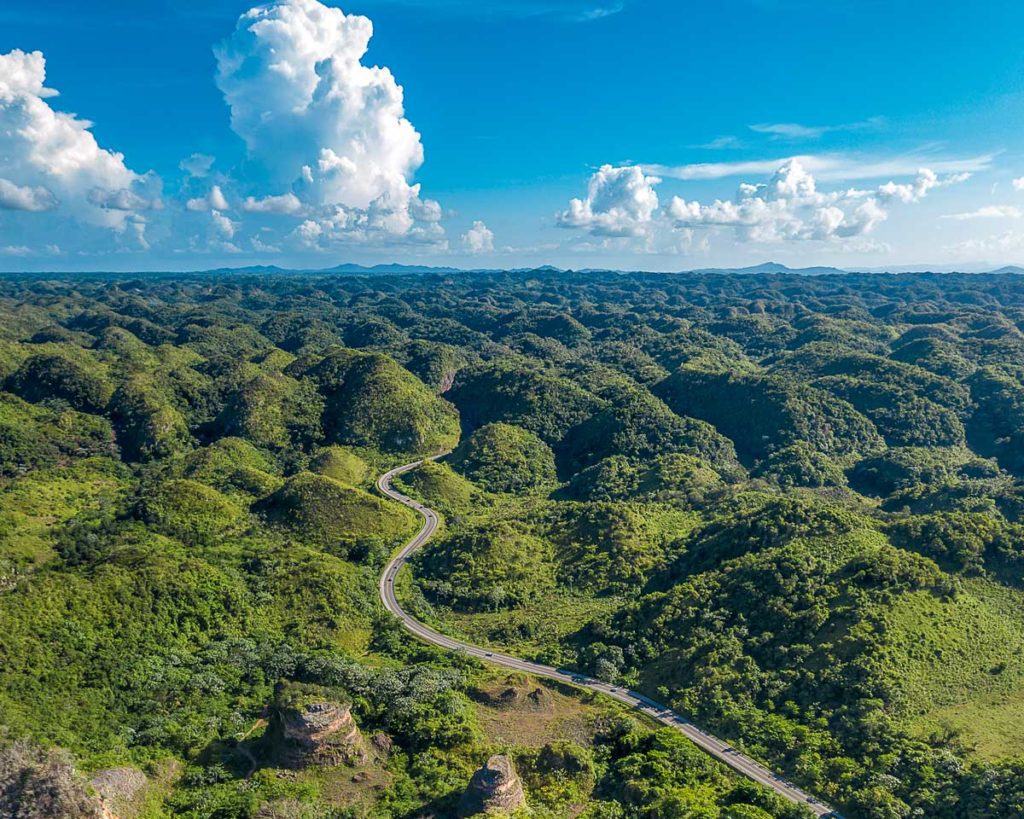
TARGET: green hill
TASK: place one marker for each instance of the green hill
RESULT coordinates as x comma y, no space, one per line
503,458
371,401
341,464
322,511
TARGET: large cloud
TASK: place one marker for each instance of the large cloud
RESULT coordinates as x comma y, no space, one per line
790,207
15,197
620,201
50,161
324,128
478,239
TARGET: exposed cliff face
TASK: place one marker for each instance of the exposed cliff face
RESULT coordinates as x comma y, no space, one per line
319,730
494,788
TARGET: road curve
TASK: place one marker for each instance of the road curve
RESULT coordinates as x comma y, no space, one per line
720,750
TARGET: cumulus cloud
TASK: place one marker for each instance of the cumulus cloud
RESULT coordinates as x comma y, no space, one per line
50,161
288,203
915,191
1018,183
35,199
324,126
478,239
620,201
197,165
214,200
223,225
791,207
123,199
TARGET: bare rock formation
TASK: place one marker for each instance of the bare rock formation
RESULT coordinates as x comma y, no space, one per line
494,788
43,784
317,727
517,693
120,790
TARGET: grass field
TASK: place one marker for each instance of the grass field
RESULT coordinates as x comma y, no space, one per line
960,665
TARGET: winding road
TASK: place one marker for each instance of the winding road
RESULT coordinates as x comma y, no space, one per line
720,750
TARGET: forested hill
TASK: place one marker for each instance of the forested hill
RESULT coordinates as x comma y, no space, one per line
791,506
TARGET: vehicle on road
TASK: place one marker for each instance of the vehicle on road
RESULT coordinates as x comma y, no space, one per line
707,742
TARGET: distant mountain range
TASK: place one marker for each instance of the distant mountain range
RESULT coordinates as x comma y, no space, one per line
350,269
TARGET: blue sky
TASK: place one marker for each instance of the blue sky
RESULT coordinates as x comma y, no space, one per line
582,133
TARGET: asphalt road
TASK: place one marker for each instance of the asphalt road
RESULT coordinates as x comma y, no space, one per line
711,744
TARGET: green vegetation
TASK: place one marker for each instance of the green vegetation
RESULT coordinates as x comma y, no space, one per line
790,507
341,464
503,458
326,512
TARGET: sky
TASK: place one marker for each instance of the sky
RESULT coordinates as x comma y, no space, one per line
633,134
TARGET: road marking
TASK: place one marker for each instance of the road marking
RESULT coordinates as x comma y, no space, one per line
708,742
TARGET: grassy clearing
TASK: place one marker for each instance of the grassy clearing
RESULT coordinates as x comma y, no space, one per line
519,709
960,665
533,630
31,506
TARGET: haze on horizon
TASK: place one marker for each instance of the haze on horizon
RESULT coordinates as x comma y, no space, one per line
176,134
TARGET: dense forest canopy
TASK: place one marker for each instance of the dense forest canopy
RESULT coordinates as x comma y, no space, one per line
792,507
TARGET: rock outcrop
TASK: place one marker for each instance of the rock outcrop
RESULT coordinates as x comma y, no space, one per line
494,788
317,728
119,790
517,693
43,784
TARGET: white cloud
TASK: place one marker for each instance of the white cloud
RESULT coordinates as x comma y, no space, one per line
50,161
826,167
790,207
790,130
223,225
597,12
322,124
260,246
197,165
988,212
1001,247
620,201
917,190
123,199
478,239
214,200
721,143
288,204
1018,183
794,130
35,199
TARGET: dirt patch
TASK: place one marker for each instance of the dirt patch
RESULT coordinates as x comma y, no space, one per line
517,692
521,710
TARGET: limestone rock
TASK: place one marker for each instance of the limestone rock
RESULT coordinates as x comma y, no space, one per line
119,790
43,784
383,744
494,788
318,728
